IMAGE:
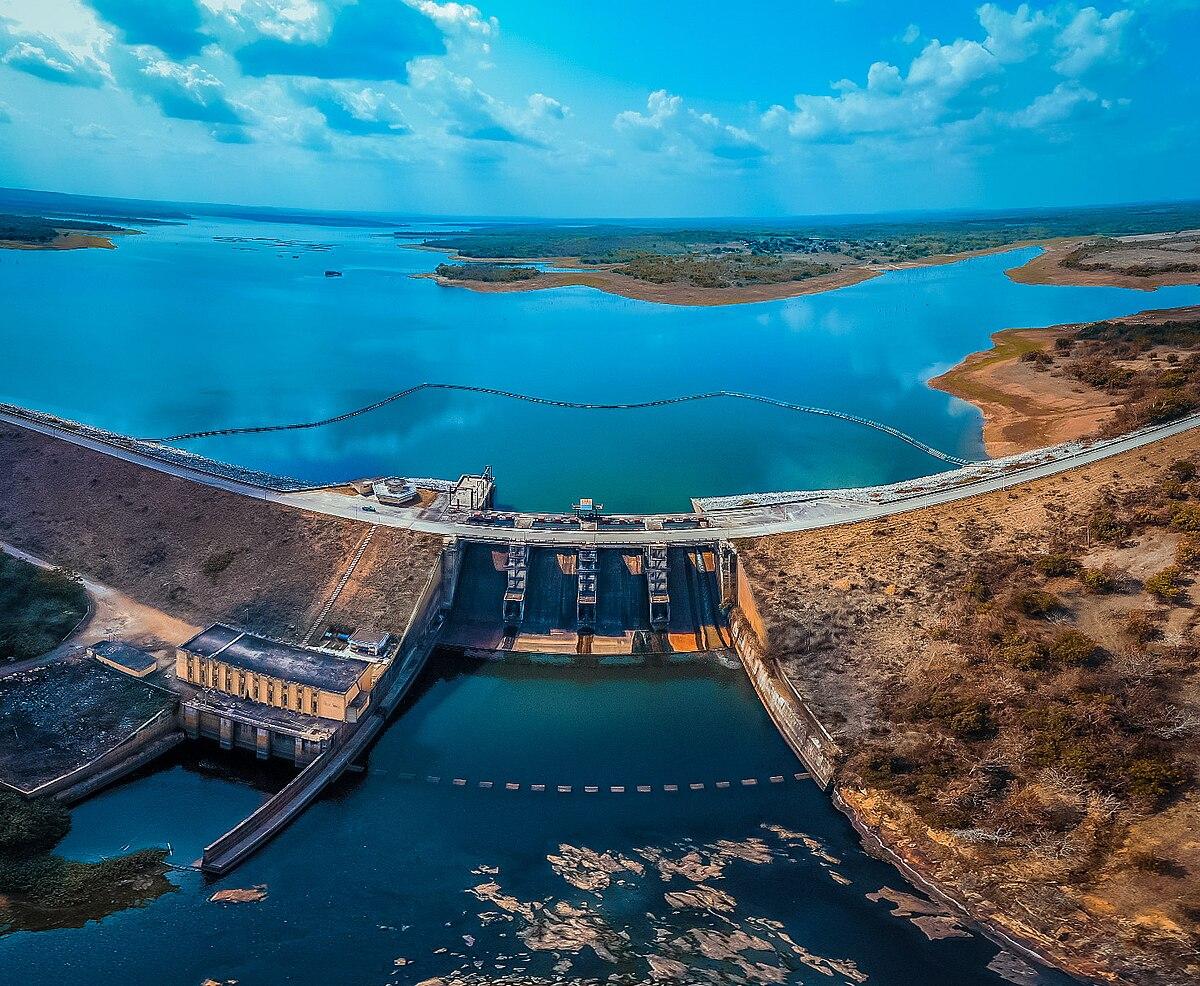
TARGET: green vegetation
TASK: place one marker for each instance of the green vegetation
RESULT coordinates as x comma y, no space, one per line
40,889
38,608
37,230
487,273
648,250
724,271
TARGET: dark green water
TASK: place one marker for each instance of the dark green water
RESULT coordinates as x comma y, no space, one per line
383,868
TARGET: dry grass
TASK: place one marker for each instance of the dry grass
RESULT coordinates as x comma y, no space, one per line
993,753
192,551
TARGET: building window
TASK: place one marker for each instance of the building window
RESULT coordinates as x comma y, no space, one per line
314,703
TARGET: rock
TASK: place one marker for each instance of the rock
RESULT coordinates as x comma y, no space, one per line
703,897
240,895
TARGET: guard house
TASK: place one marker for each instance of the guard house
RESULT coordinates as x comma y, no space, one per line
656,585
273,673
473,492
585,569
123,657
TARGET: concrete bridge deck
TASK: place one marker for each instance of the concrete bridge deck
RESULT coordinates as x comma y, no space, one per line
765,515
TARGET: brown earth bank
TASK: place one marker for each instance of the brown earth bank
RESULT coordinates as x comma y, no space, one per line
63,241
1144,262
201,554
1039,387
1014,681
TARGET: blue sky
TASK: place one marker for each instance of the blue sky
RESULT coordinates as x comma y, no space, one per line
613,108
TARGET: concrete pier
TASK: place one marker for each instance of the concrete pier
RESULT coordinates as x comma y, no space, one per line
657,586
517,572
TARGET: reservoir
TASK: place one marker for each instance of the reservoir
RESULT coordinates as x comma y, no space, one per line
401,873
224,324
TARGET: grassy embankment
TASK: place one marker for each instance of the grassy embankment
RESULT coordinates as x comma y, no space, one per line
38,608
40,889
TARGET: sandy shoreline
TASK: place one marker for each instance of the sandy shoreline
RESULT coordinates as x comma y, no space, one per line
1047,268
71,241
1025,407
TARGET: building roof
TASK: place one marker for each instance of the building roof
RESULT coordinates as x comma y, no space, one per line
365,636
277,659
126,655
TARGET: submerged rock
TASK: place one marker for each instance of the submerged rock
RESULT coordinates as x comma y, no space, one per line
240,895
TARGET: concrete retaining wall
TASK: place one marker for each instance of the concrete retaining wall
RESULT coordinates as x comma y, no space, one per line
786,707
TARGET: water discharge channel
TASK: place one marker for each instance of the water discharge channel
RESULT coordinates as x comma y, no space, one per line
395,866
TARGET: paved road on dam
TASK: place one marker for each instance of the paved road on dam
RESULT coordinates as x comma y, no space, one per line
721,527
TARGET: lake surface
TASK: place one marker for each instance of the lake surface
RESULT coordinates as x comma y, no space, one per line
221,323
395,878
459,880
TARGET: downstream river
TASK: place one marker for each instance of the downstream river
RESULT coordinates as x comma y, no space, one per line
395,879
400,874
219,323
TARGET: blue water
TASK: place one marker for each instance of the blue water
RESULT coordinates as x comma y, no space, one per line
175,331
383,868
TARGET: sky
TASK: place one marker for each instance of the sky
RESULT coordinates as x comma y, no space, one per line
615,108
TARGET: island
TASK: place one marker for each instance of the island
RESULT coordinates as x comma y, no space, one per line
1138,246
19,232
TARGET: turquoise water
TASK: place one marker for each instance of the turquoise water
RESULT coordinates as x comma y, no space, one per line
383,868
393,878
176,331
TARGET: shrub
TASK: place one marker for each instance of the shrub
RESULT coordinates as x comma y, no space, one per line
1056,565
1156,781
1165,585
1032,602
1139,626
975,587
1186,517
31,826
1187,551
1075,649
1024,653
1184,469
1099,581
1104,525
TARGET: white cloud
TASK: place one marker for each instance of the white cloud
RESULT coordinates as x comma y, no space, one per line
1012,37
1090,39
541,105
50,57
668,126
466,111
458,18
911,34
1056,106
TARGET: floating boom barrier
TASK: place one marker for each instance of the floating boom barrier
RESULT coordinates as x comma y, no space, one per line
575,405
